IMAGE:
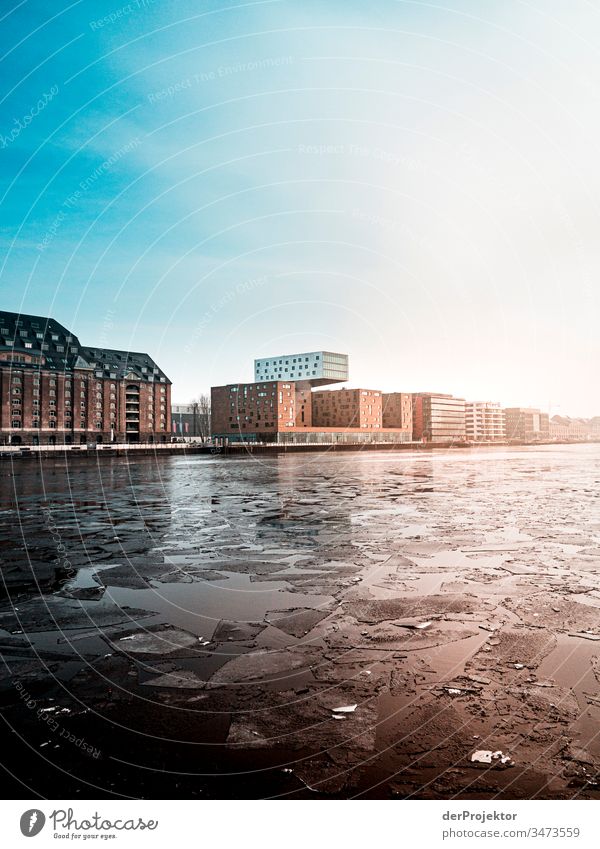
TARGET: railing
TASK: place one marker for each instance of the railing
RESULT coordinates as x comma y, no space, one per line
99,446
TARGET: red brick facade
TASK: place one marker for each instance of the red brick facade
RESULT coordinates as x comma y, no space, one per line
53,391
397,410
356,408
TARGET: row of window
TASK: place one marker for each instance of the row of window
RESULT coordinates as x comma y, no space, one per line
286,362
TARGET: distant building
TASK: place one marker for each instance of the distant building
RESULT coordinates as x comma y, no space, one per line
594,424
317,368
397,410
563,427
526,423
438,417
54,390
485,421
185,420
347,408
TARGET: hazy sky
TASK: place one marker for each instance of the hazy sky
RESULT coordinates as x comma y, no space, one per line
414,184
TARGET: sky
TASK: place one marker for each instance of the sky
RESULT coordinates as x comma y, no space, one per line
415,184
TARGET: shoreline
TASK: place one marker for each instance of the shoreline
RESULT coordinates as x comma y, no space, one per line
171,450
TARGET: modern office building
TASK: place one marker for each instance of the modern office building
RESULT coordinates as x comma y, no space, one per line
485,421
438,417
397,410
54,390
317,368
526,423
344,408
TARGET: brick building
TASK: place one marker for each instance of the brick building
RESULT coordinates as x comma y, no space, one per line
360,408
438,417
526,423
287,412
397,410
53,390
251,408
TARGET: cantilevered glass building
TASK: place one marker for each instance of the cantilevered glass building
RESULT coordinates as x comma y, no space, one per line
318,368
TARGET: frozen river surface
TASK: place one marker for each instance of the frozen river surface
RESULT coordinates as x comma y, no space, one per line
198,621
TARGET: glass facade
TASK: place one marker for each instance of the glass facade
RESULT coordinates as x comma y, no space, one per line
316,367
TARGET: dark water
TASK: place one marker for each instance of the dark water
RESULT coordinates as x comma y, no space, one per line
93,550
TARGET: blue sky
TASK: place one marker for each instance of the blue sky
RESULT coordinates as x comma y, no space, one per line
412,183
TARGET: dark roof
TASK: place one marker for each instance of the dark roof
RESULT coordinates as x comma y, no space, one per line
39,336
61,349
120,364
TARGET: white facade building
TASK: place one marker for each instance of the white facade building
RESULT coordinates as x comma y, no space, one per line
318,368
485,421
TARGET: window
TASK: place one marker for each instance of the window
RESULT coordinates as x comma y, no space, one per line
29,344
23,333
16,390
54,337
39,335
